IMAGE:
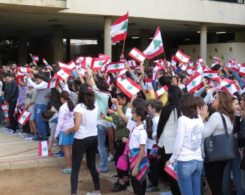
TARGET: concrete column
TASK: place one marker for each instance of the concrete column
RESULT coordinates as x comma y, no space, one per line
58,34
22,50
107,37
203,42
68,49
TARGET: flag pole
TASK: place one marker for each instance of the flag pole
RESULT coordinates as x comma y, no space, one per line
123,48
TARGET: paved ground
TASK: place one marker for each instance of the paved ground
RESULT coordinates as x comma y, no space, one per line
23,172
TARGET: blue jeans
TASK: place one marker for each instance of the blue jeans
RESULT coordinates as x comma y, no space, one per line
42,125
189,177
233,166
102,148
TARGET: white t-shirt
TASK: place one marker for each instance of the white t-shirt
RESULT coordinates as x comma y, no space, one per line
138,137
88,126
189,140
151,142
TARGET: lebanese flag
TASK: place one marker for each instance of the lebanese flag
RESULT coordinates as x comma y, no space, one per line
233,65
148,84
181,57
173,61
70,66
24,117
159,62
63,74
194,83
190,70
128,86
5,109
137,55
170,170
156,46
97,64
210,74
156,69
242,70
115,67
43,148
24,70
132,63
119,29
34,58
161,91
78,61
54,82
229,86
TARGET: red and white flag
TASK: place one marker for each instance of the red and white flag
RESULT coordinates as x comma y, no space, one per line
34,58
115,67
242,70
97,64
63,74
233,65
148,84
229,86
24,70
45,62
210,74
54,82
181,57
128,86
170,170
137,55
156,46
5,109
194,83
43,148
70,66
119,29
24,117
156,69
161,91
132,63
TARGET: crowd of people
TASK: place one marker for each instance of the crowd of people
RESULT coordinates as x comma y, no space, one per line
167,121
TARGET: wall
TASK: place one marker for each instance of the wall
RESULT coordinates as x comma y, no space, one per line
224,51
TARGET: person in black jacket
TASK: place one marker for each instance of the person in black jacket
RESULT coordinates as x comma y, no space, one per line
11,92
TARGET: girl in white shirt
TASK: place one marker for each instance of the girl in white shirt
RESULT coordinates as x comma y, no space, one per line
187,153
86,140
138,159
65,121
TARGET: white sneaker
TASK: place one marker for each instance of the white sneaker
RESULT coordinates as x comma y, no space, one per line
110,158
93,193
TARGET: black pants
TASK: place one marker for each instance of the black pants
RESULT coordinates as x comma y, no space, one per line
153,171
214,173
139,188
12,121
172,182
80,146
119,148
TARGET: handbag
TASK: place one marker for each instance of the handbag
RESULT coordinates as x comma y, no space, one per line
122,162
221,147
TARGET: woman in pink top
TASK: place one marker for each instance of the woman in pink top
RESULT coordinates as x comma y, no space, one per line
65,121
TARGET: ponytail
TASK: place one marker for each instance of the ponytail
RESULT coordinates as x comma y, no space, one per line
66,96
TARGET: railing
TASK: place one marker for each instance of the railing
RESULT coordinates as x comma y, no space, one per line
231,1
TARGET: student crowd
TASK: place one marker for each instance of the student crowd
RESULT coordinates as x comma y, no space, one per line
166,114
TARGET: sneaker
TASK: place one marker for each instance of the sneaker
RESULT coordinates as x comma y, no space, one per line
110,158
66,171
93,193
118,187
152,189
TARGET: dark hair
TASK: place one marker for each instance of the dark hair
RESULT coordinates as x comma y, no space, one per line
200,102
8,74
101,84
177,78
156,104
149,125
66,96
174,95
123,96
86,96
225,104
188,105
142,112
139,102
164,80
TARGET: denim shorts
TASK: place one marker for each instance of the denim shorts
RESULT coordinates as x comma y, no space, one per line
66,139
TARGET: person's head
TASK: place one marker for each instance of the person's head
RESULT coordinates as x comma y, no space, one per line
236,104
188,105
183,78
139,114
86,96
122,98
101,84
65,98
164,80
174,80
222,102
174,95
242,102
40,78
139,102
200,103
9,77
154,106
